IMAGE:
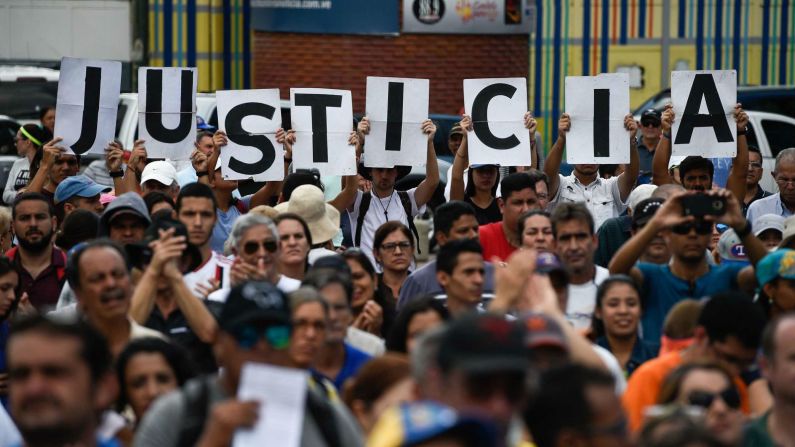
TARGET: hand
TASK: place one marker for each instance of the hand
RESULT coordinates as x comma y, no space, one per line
219,139
540,296
138,157
204,290
371,318
510,278
667,119
114,156
24,307
564,125
740,117
364,125
364,184
199,160
429,128
227,417
671,213
353,138
242,272
286,139
167,250
632,126
466,124
733,216
530,124
52,152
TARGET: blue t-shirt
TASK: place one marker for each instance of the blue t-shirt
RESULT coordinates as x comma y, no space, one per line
662,290
3,367
354,359
224,223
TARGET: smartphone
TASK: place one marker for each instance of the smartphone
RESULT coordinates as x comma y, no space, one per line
700,205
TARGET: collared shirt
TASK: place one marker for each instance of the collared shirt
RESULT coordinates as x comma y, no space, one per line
645,160
43,290
494,243
760,194
641,352
176,328
769,205
602,197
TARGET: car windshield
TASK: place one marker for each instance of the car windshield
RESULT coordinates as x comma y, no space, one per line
23,100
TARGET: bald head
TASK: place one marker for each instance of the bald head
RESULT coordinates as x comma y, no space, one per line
785,156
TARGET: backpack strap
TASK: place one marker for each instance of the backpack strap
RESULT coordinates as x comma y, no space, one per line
406,201
61,271
323,415
364,205
241,206
196,398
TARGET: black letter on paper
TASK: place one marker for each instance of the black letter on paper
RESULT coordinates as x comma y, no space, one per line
235,132
601,122
480,119
154,104
88,130
319,103
394,116
703,86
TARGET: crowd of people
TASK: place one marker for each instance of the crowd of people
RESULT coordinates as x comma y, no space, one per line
636,304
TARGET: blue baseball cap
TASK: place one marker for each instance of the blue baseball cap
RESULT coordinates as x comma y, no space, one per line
778,264
203,125
416,423
78,185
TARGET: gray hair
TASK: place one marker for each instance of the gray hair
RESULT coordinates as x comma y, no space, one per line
425,353
786,155
306,295
245,223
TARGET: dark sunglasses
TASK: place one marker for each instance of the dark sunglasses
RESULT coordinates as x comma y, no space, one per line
252,247
649,124
276,336
704,399
701,227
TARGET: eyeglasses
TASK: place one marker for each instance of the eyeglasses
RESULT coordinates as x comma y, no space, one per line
276,336
782,182
252,247
650,124
704,399
392,246
701,227
755,165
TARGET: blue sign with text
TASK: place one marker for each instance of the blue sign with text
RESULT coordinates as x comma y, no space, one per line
325,16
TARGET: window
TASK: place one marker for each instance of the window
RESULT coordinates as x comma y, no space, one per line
780,135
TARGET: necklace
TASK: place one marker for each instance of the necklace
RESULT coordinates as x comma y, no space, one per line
385,208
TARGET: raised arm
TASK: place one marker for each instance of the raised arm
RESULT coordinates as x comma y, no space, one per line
734,218
555,157
135,166
114,157
662,154
460,162
530,124
736,183
50,152
427,187
627,179
350,182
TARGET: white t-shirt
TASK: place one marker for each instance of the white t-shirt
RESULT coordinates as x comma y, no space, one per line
379,212
613,367
582,299
9,435
18,178
285,284
602,197
207,271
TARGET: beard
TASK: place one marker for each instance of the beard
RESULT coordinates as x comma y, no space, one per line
36,247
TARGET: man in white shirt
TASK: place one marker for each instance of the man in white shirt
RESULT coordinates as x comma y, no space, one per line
384,204
575,244
603,198
781,203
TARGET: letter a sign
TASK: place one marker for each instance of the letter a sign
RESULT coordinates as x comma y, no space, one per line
704,104
88,98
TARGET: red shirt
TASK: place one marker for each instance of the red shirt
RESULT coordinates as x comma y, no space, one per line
43,290
494,242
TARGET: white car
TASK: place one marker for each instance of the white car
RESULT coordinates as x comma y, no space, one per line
771,133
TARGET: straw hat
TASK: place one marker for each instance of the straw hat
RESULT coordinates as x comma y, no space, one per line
309,202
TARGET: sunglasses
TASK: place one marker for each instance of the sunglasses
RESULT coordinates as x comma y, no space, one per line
650,124
701,227
704,399
276,336
251,247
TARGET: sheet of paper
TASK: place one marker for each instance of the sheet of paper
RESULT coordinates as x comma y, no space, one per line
597,106
704,104
88,99
167,111
322,139
250,119
497,107
396,136
282,396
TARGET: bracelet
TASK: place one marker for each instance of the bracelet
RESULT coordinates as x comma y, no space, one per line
667,136
202,173
745,231
743,132
116,174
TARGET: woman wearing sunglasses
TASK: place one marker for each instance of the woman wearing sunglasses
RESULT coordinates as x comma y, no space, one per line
708,387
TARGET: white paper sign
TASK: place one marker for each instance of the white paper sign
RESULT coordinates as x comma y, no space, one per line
396,136
282,396
250,119
167,119
704,104
597,106
88,99
497,108
322,120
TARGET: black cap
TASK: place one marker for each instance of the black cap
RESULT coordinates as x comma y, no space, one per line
482,344
254,302
334,262
644,211
140,253
651,116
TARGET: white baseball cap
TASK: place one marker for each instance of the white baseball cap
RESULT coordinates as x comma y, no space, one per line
162,171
